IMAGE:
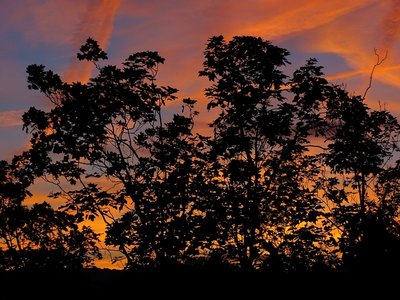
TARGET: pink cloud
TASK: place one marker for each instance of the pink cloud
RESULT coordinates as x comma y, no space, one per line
63,23
97,22
11,118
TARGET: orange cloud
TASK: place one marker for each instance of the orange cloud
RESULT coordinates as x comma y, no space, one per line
180,36
353,38
391,24
97,23
300,16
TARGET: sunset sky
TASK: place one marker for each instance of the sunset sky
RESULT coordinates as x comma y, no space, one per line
342,35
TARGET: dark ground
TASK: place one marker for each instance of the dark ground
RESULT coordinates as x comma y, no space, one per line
115,284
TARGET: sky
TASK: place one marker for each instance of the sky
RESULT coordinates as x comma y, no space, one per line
341,34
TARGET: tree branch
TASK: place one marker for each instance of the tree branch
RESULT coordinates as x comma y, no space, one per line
379,61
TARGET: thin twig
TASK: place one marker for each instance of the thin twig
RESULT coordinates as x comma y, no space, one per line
379,61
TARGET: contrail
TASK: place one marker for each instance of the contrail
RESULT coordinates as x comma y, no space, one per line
97,23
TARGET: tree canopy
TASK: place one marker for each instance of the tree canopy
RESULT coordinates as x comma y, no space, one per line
297,175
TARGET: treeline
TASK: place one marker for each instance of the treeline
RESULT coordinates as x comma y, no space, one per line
298,174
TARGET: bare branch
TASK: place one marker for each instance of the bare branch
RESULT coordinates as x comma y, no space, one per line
379,61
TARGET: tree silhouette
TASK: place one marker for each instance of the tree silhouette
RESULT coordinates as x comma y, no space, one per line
38,237
113,127
260,148
362,146
298,175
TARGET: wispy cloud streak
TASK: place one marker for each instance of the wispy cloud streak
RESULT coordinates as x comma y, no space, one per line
391,25
97,22
11,118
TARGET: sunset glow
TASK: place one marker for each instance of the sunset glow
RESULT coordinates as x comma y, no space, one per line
344,36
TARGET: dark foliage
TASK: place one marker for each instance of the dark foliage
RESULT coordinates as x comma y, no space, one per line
297,176
39,237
